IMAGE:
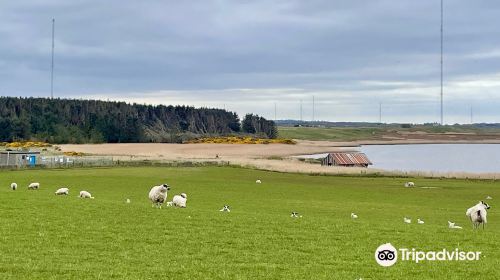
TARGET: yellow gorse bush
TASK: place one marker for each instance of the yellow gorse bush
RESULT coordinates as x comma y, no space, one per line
27,144
239,140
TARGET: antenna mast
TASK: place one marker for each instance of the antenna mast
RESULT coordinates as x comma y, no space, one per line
442,121
52,65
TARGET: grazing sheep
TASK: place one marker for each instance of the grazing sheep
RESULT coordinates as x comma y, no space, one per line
420,221
354,216
85,194
180,200
409,184
453,226
62,191
34,186
13,186
407,220
477,214
258,181
158,195
225,209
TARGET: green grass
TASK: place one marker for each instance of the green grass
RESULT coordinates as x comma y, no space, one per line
43,236
374,133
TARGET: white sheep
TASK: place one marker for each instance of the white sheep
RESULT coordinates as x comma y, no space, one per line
158,195
453,226
420,221
180,200
407,220
409,184
354,216
258,181
225,209
13,186
62,191
34,186
477,214
85,194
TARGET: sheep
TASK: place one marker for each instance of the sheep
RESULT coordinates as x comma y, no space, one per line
128,200
225,209
62,191
453,226
158,195
34,186
13,186
294,215
420,221
354,216
180,200
409,184
85,194
477,214
407,220
258,182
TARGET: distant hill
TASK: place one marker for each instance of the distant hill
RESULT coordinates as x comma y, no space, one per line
95,121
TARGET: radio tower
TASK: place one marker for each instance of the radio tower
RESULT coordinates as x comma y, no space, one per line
52,65
442,121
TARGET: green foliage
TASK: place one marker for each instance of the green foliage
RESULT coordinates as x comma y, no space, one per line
254,124
82,121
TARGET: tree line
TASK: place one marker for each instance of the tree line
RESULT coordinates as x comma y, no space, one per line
96,121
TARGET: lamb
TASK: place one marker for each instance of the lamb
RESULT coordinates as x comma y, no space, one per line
258,182
477,214
158,195
409,184
407,220
420,221
62,191
354,216
453,226
225,209
85,194
34,186
180,200
13,186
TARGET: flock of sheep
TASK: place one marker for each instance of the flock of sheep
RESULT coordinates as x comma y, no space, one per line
158,196
477,213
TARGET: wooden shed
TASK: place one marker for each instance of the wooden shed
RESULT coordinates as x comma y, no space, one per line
348,159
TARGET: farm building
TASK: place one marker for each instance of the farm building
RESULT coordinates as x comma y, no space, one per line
349,159
18,158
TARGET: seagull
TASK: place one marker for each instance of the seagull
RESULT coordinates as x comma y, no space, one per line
452,225
258,181
420,221
407,220
354,216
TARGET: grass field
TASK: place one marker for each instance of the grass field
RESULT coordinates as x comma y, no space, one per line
44,236
340,134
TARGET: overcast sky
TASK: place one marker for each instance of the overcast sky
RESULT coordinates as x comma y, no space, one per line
248,55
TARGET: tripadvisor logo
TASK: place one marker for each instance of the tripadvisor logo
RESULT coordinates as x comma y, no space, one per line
387,255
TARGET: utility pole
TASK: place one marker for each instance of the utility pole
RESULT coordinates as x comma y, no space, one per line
380,112
313,109
301,110
442,121
52,65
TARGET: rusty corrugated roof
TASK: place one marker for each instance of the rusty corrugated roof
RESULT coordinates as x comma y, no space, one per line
350,158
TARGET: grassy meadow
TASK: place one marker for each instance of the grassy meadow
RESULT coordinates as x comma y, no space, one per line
43,236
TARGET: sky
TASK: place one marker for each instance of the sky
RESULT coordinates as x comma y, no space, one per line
254,56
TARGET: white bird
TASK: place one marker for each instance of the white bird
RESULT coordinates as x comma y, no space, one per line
225,209
407,220
128,200
13,186
354,216
62,191
420,221
453,226
489,197
258,181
